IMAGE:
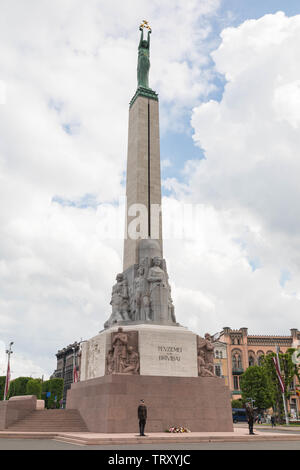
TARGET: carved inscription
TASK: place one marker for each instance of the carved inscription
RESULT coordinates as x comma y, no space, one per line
169,353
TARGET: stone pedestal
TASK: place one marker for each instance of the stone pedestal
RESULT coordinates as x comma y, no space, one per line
109,404
166,377
163,351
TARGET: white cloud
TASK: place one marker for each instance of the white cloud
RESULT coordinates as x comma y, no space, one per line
250,178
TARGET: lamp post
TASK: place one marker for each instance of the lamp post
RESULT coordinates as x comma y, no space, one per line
7,380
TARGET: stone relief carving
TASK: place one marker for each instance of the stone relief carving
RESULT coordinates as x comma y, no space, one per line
132,364
205,356
123,358
94,354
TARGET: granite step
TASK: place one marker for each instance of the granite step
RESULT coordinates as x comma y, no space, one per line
51,420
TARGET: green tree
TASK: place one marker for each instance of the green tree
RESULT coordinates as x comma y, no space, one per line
17,386
288,371
55,387
255,384
2,385
34,387
237,403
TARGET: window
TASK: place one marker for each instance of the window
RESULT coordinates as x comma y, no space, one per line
218,371
251,361
260,359
236,360
236,382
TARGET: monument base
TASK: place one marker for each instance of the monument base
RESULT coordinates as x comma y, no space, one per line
109,404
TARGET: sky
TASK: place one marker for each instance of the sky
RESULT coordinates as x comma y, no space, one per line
227,74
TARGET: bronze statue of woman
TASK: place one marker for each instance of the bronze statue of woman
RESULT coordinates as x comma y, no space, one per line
143,60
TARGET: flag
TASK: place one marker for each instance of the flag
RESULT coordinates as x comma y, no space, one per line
75,375
7,380
281,382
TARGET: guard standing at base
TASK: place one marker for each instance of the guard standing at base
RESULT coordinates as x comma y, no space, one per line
142,416
250,417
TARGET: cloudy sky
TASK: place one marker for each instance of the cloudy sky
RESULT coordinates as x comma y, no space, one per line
228,76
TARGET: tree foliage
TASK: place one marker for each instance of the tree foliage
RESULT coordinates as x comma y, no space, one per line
2,385
288,372
34,387
18,386
255,385
55,387
237,403
262,385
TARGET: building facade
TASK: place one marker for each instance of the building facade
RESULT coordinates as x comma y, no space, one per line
245,350
220,360
67,359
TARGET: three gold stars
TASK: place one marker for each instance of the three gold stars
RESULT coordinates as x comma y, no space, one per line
145,24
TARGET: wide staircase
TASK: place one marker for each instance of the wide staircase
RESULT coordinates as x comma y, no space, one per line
50,421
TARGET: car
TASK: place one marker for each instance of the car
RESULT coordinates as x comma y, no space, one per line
239,415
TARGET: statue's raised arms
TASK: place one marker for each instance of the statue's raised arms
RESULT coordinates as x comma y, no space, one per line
143,57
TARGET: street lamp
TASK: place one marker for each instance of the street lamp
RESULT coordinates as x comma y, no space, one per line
8,352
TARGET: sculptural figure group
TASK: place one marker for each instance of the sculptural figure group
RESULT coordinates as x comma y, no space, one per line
146,297
122,358
205,356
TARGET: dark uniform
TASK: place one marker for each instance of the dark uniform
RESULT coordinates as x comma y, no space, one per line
142,416
250,417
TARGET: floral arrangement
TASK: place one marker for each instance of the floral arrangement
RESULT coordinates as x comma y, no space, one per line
177,429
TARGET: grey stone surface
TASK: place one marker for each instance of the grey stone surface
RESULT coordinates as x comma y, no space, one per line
163,350
142,292
143,139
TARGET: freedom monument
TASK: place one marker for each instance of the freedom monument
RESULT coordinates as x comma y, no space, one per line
143,352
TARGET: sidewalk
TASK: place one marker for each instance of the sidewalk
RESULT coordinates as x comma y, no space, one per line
88,438
278,427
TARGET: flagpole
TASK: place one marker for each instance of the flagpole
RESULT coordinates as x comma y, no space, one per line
8,352
283,397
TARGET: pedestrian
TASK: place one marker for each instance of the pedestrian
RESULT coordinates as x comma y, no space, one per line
250,417
273,421
259,418
142,417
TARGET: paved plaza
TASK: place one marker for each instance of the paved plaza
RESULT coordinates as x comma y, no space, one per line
264,439
49,444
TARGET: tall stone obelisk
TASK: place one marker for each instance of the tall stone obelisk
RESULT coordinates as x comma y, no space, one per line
143,184
142,292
